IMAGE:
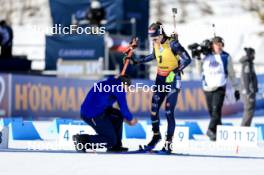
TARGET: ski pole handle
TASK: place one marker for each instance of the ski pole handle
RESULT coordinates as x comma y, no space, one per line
129,52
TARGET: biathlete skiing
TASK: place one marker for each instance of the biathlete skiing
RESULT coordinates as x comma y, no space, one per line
171,58
97,111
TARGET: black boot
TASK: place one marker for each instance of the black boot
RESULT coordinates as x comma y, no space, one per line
154,141
167,148
80,142
211,135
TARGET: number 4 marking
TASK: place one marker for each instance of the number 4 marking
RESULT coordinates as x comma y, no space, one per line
66,135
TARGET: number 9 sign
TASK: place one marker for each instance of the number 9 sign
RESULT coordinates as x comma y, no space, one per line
181,135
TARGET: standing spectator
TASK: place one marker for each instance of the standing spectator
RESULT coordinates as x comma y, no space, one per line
6,35
217,67
249,85
96,13
93,16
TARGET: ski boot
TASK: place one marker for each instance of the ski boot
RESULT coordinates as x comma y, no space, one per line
80,141
167,148
211,135
151,145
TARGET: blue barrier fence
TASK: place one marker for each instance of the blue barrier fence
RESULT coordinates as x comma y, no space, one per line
26,130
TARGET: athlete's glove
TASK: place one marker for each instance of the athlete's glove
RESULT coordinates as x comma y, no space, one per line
177,70
237,95
132,60
174,36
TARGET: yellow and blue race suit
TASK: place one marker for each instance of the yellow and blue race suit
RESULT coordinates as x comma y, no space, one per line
171,58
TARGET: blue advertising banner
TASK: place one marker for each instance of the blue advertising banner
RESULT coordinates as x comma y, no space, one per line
260,95
41,97
63,10
191,100
46,97
73,47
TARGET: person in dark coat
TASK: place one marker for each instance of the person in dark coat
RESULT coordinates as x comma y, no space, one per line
249,85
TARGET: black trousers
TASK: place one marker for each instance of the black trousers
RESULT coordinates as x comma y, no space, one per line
249,108
6,51
215,101
108,126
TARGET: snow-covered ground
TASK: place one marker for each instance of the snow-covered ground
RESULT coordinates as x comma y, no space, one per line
96,164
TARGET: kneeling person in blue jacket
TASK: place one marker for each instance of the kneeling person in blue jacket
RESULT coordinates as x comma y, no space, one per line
97,111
